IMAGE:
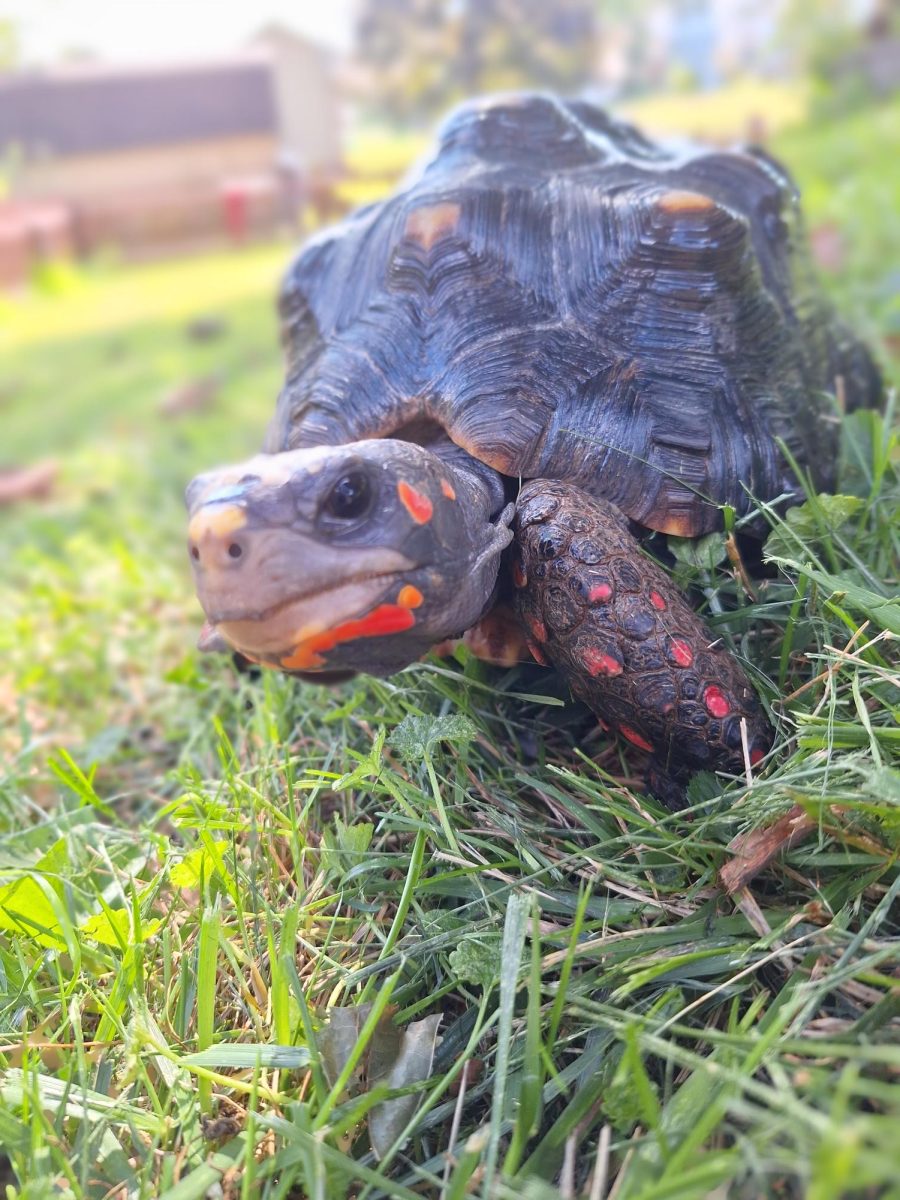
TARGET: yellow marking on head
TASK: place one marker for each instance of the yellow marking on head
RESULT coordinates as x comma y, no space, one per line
427,225
217,521
685,202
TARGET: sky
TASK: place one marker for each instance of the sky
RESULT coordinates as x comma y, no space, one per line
147,30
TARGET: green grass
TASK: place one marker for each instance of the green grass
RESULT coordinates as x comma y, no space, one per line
196,865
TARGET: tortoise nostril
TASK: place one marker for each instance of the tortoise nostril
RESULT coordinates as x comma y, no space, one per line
234,550
195,553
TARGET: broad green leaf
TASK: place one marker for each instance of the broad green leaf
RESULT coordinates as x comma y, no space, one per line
25,908
344,846
113,927
415,737
477,959
804,524
704,553
199,864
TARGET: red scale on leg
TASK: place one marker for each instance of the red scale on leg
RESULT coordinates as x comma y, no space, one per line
537,627
658,602
601,593
600,662
680,652
635,738
717,703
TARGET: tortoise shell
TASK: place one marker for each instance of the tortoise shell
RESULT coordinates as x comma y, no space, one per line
572,301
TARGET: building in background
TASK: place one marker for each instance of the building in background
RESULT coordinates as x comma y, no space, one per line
151,159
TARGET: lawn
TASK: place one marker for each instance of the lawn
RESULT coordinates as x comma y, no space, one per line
224,897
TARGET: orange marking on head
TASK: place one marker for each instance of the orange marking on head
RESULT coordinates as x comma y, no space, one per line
600,593
717,703
428,224
681,652
634,737
685,202
657,601
447,489
598,662
416,504
385,619
409,596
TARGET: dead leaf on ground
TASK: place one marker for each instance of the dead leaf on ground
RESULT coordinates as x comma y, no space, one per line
192,396
34,482
754,851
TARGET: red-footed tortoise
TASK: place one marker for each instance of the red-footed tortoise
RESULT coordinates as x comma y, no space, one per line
558,335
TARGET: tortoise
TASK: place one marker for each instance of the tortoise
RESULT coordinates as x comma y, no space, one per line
558,337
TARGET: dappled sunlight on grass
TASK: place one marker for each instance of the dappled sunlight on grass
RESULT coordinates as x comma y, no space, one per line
726,114
105,300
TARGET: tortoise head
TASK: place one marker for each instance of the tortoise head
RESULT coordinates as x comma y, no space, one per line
343,558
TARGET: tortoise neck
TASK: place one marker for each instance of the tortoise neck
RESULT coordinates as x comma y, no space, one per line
457,459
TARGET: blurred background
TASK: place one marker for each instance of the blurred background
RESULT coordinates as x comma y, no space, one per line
159,160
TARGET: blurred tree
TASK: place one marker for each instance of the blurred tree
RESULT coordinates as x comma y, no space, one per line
423,55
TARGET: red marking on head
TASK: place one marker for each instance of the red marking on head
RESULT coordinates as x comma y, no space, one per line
385,619
518,574
416,504
537,627
717,703
447,489
657,601
598,662
600,593
634,737
756,756
681,652
409,596
535,653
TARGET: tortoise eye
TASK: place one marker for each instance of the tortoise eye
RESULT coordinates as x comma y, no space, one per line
349,497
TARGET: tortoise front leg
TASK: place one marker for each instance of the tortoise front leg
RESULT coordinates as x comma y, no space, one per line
626,639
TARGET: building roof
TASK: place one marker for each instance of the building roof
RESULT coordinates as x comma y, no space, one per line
90,110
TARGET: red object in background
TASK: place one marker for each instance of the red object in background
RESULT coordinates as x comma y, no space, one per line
31,232
236,202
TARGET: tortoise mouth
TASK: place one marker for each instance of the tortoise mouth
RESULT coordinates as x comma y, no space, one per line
280,628
261,615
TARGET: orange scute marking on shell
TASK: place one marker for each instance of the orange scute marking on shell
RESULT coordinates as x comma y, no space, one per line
598,662
681,652
717,704
657,601
687,202
447,489
428,224
383,620
409,597
756,756
634,737
600,593
416,504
